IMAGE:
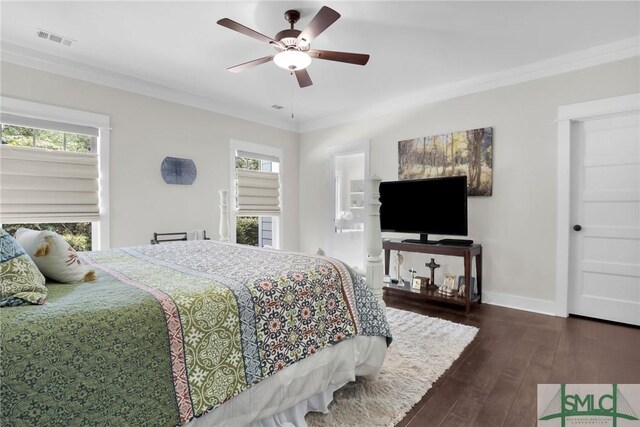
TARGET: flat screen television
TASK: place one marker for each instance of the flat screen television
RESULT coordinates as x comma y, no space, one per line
425,206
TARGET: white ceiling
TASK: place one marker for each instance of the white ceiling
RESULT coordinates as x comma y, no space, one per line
415,46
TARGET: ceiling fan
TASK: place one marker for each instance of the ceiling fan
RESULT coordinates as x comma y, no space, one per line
293,46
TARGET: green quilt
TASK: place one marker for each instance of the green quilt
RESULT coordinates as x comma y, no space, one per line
168,332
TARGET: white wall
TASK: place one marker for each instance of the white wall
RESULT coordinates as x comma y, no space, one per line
146,130
516,225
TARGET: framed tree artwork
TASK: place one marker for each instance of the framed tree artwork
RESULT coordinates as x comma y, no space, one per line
467,153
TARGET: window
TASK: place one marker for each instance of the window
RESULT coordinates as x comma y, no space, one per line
77,234
19,136
54,172
256,195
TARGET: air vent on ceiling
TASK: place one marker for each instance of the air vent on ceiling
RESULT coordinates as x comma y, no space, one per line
277,107
43,34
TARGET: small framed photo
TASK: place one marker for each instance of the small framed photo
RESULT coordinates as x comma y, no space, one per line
449,281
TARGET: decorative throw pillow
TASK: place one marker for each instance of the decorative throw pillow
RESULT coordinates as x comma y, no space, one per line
20,280
55,258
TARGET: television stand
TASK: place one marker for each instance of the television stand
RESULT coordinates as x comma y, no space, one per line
468,252
424,242
456,242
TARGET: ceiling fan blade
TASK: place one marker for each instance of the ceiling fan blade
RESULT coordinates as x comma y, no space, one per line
323,19
233,25
242,67
348,57
303,78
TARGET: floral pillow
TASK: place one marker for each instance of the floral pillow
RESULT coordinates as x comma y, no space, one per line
20,280
55,258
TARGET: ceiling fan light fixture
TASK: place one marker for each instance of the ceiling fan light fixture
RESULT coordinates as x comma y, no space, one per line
293,46
292,60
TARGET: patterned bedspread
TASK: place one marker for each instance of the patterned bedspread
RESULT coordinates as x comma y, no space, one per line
168,332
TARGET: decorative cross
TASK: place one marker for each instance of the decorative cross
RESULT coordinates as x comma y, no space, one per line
432,265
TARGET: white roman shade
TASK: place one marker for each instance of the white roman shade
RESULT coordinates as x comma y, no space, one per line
39,185
257,193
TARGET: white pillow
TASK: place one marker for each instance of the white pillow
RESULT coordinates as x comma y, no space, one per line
55,258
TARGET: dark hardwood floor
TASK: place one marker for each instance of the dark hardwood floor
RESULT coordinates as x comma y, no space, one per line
494,382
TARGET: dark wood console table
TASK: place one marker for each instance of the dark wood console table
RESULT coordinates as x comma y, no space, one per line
467,252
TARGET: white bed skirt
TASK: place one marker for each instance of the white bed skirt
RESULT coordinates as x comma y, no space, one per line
307,386
294,417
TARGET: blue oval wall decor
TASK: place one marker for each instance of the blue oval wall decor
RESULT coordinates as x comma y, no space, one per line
178,171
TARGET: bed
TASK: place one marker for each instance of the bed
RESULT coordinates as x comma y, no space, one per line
197,332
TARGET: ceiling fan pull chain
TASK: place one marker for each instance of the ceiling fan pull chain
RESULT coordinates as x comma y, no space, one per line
292,95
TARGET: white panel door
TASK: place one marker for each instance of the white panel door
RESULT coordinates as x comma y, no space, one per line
604,279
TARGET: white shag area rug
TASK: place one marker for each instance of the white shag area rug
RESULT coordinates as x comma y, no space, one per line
423,348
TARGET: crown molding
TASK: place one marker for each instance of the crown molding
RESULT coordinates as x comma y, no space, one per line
602,54
611,52
20,55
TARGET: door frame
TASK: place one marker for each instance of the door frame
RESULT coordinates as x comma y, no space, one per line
568,117
340,150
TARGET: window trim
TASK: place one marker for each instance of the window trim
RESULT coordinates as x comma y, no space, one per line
265,150
100,230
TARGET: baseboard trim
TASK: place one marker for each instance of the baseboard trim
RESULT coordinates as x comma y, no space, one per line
519,303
